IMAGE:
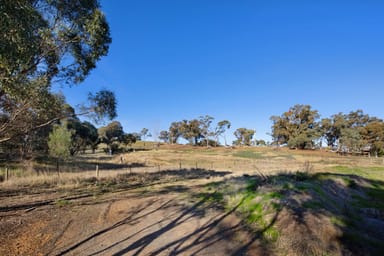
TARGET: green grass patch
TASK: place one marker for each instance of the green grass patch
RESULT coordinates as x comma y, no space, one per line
271,234
369,172
249,154
216,197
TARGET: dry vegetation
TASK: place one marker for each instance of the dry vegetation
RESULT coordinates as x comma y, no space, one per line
263,200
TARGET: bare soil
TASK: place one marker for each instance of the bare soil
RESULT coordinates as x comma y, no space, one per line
159,221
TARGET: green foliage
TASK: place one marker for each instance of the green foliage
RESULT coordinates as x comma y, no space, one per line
197,131
244,136
111,134
297,127
220,130
84,135
43,42
164,136
103,104
205,128
38,34
59,142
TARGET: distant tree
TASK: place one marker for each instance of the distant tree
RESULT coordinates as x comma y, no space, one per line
205,128
348,131
164,136
220,130
298,127
175,132
129,139
84,135
90,135
111,134
136,135
145,133
191,131
59,143
373,137
350,140
244,136
260,143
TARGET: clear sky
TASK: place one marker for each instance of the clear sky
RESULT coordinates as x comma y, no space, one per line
239,60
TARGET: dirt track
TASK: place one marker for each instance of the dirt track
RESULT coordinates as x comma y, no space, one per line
163,221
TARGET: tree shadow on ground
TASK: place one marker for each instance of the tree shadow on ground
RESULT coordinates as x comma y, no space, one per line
214,232
121,182
322,213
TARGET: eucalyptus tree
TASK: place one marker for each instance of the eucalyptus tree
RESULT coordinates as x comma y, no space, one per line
220,130
205,127
298,127
164,136
111,134
244,136
45,42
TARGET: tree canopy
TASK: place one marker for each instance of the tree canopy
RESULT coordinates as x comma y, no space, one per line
45,42
298,127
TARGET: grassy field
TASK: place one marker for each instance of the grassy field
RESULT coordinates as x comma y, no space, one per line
295,202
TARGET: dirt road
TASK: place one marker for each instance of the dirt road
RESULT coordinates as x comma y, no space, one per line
162,221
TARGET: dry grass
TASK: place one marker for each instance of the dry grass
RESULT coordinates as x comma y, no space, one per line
239,161
282,192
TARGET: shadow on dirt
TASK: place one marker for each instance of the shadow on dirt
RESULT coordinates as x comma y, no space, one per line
297,213
121,182
200,240
313,213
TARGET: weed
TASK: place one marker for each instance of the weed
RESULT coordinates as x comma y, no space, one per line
271,234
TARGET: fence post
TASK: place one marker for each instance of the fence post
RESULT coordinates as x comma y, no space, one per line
97,170
6,173
180,165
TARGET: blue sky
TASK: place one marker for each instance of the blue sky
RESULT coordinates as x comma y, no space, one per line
243,61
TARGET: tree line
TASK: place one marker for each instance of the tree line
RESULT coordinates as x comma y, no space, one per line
46,42
203,131
355,132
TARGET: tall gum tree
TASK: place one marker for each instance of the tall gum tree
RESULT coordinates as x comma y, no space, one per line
45,42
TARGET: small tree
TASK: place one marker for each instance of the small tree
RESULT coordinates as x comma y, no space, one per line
59,143
144,134
205,124
110,134
164,136
244,136
220,129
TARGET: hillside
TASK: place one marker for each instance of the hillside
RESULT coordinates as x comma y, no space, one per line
175,199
